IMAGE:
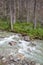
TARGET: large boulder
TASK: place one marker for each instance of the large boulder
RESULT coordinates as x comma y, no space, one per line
26,38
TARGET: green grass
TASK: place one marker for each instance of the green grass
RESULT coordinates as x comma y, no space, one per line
27,28
23,28
4,24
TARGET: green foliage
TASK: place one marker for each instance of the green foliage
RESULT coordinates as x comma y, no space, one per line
23,28
4,24
28,29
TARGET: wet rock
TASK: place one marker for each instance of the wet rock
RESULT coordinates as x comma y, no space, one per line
12,43
4,60
1,57
11,57
33,44
24,63
19,35
26,38
20,56
17,59
32,63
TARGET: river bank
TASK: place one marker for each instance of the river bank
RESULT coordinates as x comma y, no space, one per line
23,28
26,29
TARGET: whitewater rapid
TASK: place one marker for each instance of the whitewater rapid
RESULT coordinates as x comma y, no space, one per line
30,51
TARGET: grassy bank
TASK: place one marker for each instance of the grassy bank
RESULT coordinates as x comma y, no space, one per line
23,28
27,28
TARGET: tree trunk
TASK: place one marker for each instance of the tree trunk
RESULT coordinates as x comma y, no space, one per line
11,16
28,11
14,12
18,2
35,22
5,11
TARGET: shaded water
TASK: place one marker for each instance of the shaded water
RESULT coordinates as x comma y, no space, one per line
30,50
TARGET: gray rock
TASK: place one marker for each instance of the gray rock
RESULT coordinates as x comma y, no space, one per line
12,43
1,57
32,63
4,60
26,38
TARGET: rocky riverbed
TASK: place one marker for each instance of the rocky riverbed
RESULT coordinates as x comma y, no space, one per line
18,50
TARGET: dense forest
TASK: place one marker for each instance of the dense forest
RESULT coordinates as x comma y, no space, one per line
21,32
22,11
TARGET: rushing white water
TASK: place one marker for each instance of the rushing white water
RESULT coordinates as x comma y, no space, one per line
6,40
30,51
